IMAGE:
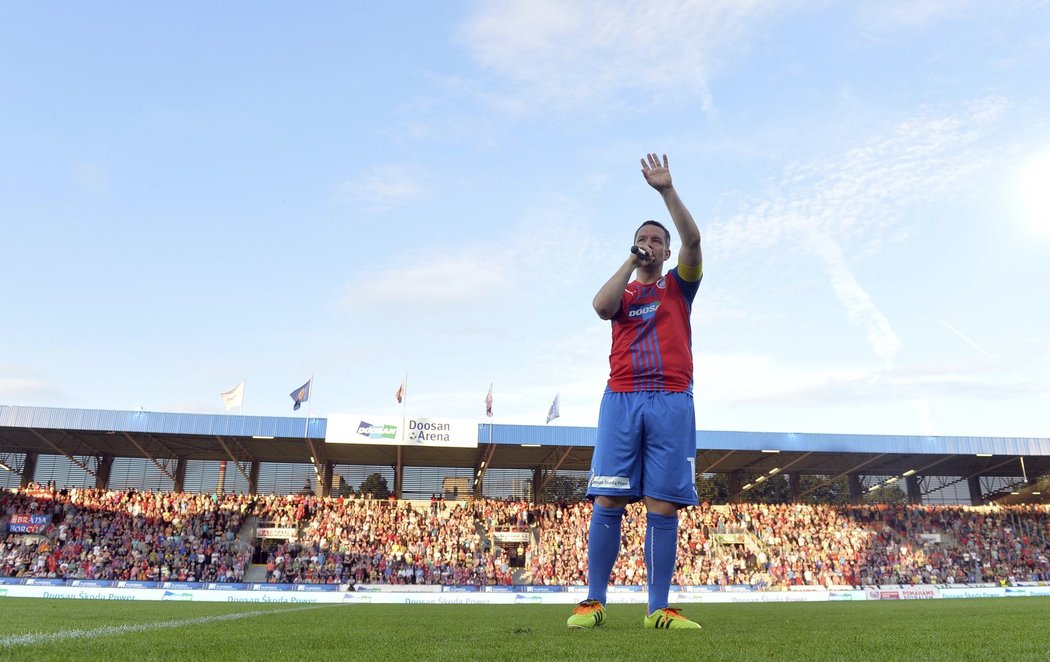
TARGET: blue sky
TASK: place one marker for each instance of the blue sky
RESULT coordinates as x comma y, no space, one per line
200,193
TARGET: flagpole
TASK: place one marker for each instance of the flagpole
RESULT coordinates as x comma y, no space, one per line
244,387
309,404
404,407
306,437
489,410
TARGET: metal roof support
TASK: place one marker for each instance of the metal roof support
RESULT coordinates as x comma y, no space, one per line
28,470
785,469
326,480
479,469
180,475
155,440
91,450
550,467
317,457
103,466
993,467
851,470
926,467
978,474
220,480
149,456
856,489
734,484
233,457
241,450
253,477
537,480
914,491
11,464
976,497
86,468
711,467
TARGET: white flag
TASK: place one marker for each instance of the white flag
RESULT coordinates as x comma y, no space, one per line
555,410
234,397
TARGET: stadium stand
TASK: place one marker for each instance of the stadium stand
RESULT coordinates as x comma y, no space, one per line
106,534
204,498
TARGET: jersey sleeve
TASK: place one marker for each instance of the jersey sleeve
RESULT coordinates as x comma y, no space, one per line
622,310
688,287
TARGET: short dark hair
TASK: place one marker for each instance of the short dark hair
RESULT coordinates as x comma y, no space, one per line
667,233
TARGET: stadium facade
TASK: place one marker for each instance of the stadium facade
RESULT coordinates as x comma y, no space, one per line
421,457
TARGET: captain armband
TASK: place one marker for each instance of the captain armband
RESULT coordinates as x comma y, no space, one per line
691,274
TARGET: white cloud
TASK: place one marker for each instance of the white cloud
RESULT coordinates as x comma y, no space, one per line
546,53
505,270
434,282
15,388
894,15
837,209
859,305
386,186
763,380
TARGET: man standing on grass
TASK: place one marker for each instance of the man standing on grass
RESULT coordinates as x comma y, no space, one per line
646,443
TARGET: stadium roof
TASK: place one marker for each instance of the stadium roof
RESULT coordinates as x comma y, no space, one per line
160,435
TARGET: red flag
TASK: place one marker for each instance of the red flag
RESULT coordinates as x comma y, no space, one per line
400,395
488,402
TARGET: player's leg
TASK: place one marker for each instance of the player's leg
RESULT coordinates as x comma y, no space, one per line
661,549
669,456
614,482
603,546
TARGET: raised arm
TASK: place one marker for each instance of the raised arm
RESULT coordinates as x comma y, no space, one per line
659,177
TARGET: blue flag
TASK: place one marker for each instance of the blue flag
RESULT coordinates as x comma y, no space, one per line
301,394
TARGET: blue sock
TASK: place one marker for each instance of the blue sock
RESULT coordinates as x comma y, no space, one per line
661,551
603,546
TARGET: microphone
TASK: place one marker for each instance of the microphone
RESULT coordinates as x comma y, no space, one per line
640,252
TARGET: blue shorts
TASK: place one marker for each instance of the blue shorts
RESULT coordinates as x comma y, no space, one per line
646,447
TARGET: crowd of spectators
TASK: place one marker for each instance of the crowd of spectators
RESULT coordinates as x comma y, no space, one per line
378,541
784,545
131,535
126,535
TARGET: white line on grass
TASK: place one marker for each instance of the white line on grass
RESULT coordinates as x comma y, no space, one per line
32,639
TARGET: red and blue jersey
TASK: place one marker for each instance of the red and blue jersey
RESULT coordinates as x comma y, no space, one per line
652,337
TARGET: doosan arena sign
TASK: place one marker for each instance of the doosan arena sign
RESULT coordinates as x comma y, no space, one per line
408,431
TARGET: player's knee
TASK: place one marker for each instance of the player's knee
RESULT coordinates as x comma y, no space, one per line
660,507
611,502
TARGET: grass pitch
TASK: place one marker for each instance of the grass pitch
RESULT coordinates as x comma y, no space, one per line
991,629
